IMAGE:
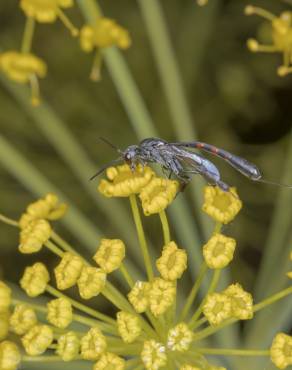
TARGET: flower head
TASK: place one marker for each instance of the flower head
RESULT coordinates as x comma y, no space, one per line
220,205
281,350
217,308
109,361
47,11
172,262
161,296
68,346
104,33
218,251
158,194
45,208
281,36
37,340
4,324
93,344
139,296
34,236
122,182
24,68
59,312
179,338
153,355
22,319
241,302
35,279
128,326
91,282
9,356
110,254
5,296
68,271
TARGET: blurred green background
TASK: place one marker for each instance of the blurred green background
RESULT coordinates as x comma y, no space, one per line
235,99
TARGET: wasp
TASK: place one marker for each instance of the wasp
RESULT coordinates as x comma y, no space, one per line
179,160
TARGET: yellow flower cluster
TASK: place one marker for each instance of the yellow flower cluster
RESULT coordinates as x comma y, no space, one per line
152,340
281,36
25,68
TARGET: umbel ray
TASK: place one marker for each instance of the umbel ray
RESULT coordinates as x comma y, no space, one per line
180,161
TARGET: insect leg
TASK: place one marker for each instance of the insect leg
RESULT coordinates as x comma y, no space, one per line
103,168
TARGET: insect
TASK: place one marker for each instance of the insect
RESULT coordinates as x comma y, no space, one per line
178,160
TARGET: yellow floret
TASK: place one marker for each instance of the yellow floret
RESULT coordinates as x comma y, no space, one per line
68,346
179,338
37,340
110,254
153,355
161,296
60,312
91,282
35,279
34,236
10,356
220,205
129,326
217,308
110,361
22,319
173,262
104,33
139,296
218,251
123,182
93,344
281,350
68,271
241,302
158,194
48,208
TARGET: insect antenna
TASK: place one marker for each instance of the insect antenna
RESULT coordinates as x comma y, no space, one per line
274,183
110,144
103,168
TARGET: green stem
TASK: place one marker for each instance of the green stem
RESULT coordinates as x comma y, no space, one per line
233,352
53,248
28,35
165,227
275,297
8,221
212,287
126,275
193,293
218,227
141,237
81,306
43,359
